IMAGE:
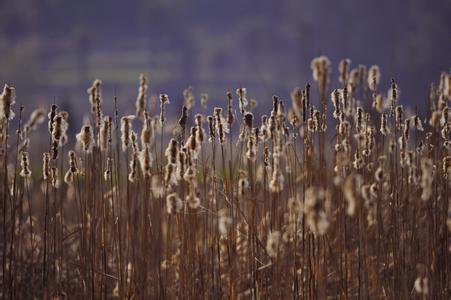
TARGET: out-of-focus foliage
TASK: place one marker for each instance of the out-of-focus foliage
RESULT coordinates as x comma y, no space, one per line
263,44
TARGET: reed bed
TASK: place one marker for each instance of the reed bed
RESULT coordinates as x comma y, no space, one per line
337,194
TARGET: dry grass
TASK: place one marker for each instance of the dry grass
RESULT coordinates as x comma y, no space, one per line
334,197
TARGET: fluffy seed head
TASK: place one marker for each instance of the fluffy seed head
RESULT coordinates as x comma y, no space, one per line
7,100
141,100
184,117
374,76
86,138
174,204
25,165
45,165
343,69
145,161
126,129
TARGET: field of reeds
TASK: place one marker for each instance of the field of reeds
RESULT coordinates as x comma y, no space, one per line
339,193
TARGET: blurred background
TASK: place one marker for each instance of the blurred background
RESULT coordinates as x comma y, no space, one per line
54,49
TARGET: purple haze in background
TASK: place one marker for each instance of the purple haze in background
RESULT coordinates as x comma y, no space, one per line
55,49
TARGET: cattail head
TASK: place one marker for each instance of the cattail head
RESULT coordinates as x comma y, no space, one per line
193,197
446,167
243,183
200,133
86,138
241,92
183,117
384,127
172,151
446,116
361,70
316,209
359,119
126,129
427,168
94,92
379,174
218,114
156,186
399,113
171,177
52,114
188,95
307,95
72,162
181,162
211,128
54,150
141,100
274,243
353,79
134,142
7,100
343,69
257,136
393,94
369,141
105,133
351,189
164,100
266,156
59,128
219,122
275,104
344,128
25,165
248,117
198,118
369,195
337,103
378,103
320,66
374,76
358,161
174,204
421,285
445,132
230,117
95,98
145,161
108,170
147,130
69,177
434,121
410,158
297,101
251,152
264,131
277,182
310,125
316,120
224,222
133,166
253,104
192,143
45,165
204,100
54,177
417,123
36,118
294,205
